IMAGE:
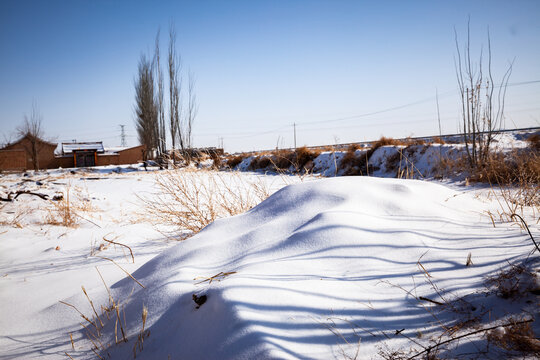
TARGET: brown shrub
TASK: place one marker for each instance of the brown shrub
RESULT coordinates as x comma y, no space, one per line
303,155
234,161
520,167
192,199
282,159
534,141
354,147
411,141
393,162
384,141
438,140
217,161
350,162
519,336
260,162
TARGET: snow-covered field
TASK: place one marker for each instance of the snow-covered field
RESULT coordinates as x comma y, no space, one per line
345,267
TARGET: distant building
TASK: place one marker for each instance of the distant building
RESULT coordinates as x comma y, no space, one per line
17,156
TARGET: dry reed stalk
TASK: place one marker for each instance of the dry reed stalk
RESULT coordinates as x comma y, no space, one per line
121,268
111,300
119,244
142,334
83,316
218,277
119,320
92,305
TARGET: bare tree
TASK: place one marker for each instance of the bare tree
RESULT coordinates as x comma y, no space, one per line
482,106
162,143
175,87
145,106
32,130
191,112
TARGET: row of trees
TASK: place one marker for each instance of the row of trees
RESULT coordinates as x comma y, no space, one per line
150,114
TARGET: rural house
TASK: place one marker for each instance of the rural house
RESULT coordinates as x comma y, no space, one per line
18,155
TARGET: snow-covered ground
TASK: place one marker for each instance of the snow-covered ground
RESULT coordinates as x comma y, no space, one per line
344,267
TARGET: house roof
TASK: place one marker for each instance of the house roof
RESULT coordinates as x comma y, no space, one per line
69,148
40,140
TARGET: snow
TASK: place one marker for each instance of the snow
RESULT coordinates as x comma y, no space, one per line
313,252
324,268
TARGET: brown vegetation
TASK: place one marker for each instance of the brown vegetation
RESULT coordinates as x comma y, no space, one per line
234,161
298,161
518,337
534,141
192,199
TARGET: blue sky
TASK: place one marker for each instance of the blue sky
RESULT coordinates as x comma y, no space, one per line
261,66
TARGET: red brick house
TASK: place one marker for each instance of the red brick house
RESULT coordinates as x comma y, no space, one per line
18,155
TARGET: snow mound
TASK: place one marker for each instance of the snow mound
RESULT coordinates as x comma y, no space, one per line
312,271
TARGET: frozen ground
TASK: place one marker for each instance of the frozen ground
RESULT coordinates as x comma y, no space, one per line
324,268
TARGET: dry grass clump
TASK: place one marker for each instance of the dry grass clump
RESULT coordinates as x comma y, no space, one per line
260,162
534,141
234,161
518,337
67,209
438,140
514,167
401,163
359,165
384,141
514,282
94,323
516,174
13,217
62,212
192,199
351,163
298,161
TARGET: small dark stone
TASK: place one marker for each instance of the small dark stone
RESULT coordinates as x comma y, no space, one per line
199,300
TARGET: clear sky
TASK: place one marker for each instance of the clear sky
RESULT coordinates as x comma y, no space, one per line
261,66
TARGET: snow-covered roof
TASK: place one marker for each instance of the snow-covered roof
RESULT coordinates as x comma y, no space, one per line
69,148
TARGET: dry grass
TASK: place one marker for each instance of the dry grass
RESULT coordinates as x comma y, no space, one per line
511,333
142,334
114,311
402,164
233,161
296,161
518,337
13,217
69,209
438,140
192,199
351,163
514,282
534,141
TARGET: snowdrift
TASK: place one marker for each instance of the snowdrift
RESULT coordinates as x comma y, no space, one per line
319,270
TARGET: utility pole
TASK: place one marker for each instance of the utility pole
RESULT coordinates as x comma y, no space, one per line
294,126
123,135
